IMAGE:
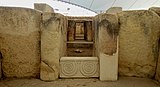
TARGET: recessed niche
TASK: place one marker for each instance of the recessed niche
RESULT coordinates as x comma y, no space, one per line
80,40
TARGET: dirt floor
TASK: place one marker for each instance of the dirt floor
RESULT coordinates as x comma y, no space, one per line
79,50
122,82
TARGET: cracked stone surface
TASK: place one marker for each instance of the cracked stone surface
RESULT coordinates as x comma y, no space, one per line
50,46
138,43
157,76
122,82
20,41
108,30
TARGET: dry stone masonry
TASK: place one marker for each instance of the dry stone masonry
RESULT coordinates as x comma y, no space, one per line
33,43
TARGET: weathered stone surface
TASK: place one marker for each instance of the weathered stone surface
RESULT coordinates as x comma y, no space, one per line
19,41
107,46
114,10
108,67
50,46
70,30
157,76
78,67
0,65
138,43
89,30
155,9
43,7
107,33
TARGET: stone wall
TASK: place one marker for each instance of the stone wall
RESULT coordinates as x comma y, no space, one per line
138,43
51,45
20,41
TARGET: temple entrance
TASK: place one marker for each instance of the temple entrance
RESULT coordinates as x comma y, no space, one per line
80,60
80,41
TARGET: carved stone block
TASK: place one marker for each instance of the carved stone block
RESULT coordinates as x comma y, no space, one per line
79,67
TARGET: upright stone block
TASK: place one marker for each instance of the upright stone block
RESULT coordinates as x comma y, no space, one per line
155,9
114,10
108,67
138,43
0,66
50,46
20,41
157,76
89,30
71,30
43,7
107,47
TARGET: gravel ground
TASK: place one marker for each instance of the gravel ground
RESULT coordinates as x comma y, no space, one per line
122,82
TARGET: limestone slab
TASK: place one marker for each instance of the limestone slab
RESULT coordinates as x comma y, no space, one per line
157,76
107,33
114,10
77,67
0,65
51,46
107,46
155,9
138,43
108,67
20,41
89,30
43,7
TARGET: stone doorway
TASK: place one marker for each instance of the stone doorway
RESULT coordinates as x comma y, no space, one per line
80,61
56,39
80,40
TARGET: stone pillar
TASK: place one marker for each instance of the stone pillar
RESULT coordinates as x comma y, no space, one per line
138,43
71,30
107,47
50,46
157,76
89,30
